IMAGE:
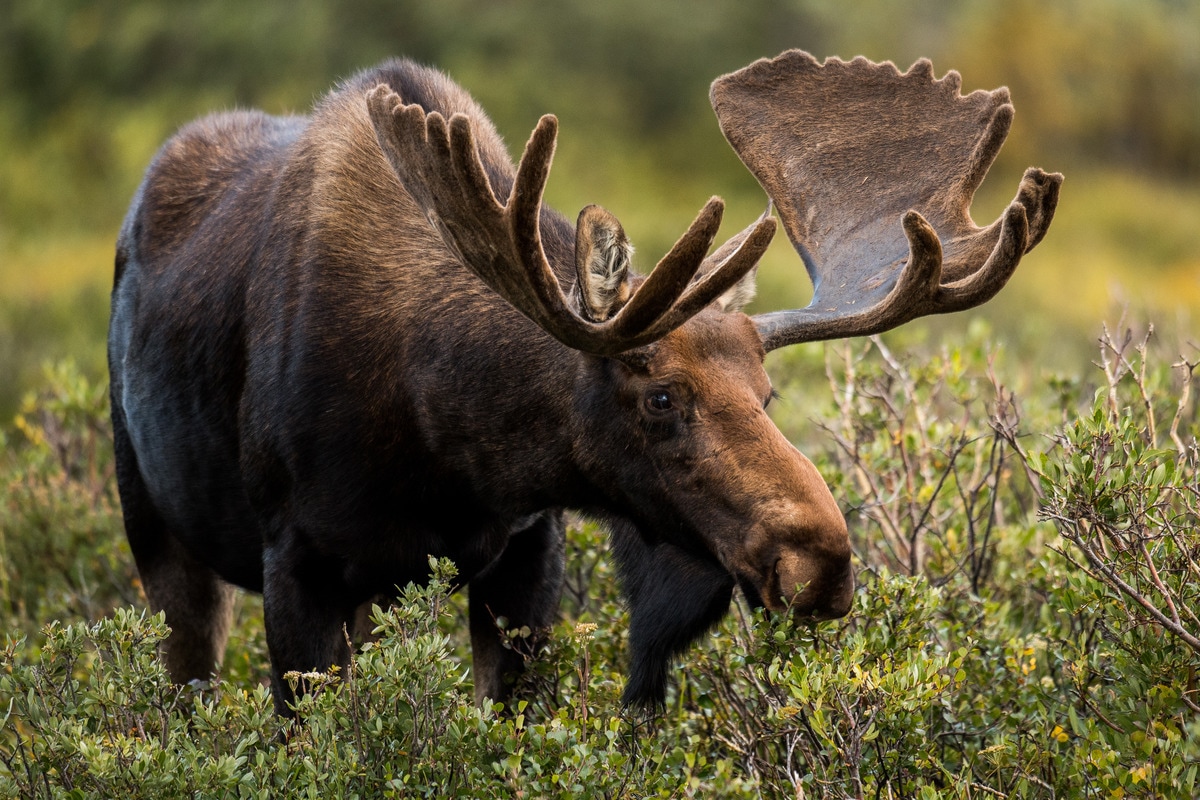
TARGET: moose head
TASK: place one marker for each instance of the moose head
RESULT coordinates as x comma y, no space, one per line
343,343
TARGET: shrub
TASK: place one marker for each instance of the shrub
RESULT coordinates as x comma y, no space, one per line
95,715
62,551
1025,626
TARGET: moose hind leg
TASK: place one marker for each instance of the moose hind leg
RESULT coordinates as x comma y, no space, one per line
523,586
198,607
197,604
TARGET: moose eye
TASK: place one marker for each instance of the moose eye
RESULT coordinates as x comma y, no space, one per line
658,400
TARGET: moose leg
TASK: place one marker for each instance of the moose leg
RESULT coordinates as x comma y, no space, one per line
674,597
523,585
197,604
306,614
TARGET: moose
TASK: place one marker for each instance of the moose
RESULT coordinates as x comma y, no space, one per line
343,343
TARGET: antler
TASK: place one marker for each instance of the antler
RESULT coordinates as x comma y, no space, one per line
844,149
439,165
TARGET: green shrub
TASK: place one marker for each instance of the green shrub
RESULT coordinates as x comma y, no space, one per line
95,715
1026,626
1123,489
62,549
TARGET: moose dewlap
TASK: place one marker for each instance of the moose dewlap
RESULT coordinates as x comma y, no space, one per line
345,342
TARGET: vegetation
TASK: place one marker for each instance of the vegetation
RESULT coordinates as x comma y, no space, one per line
1025,525
1025,626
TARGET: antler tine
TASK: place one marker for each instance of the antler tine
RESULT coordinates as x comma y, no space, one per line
730,263
1038,192
672,274
440,168
535,280
918,283
983,284
439,165
821,138
670,297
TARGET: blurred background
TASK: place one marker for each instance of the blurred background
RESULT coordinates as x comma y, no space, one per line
1106,91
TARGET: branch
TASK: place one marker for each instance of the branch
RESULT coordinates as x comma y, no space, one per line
1188,368
1108,575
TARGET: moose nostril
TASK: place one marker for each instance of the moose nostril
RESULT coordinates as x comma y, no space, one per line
792,580
770,590
842,595
825,582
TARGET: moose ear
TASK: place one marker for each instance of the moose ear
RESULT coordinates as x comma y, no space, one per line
740,294
736,297
602,256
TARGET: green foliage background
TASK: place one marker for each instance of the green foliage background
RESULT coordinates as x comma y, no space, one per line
1023,506
1106,91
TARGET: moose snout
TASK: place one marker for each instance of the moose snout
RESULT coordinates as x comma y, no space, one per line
804,543
811,573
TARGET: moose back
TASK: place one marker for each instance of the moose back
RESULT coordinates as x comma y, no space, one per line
345,342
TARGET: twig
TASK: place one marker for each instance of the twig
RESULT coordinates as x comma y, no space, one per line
1109,575
1188,368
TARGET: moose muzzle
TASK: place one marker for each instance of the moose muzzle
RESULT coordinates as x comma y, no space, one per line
799,554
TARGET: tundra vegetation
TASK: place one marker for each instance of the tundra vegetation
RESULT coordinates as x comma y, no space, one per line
1023,510
1025,624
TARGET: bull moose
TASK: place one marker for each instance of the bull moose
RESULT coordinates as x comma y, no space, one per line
344,342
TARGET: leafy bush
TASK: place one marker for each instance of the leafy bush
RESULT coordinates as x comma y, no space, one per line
927,462
62,552
1026,626
95,715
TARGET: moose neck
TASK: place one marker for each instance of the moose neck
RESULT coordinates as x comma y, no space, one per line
500,398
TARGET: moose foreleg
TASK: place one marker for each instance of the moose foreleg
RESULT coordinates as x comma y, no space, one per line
674,598
306,618
522,586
